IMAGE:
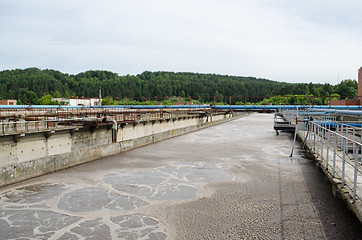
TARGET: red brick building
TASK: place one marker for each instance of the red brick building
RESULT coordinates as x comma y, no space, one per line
360,85
346,102
7,102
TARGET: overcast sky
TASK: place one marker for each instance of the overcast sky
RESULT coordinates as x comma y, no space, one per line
283,40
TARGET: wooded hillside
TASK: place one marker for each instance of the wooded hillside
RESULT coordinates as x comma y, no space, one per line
28,86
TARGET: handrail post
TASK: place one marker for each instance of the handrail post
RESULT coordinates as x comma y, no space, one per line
315,132
343,159
355,177
328,139
334,155
322,141
337,131
318,141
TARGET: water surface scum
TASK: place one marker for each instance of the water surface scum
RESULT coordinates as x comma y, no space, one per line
75,211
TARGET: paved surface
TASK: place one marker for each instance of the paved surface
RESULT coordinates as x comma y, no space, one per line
231,181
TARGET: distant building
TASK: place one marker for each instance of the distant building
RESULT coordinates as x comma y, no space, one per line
7,102
360,85
346,102
79,101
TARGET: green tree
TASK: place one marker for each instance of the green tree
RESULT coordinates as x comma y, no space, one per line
347,88
57,94
109,101
28,85
45,100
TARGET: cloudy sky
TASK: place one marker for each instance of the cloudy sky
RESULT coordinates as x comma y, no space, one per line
283,40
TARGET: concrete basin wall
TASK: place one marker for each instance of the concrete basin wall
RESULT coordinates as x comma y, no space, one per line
37,154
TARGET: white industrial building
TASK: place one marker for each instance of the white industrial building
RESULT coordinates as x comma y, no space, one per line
79,101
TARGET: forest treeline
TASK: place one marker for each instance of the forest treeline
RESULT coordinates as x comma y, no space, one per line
32,85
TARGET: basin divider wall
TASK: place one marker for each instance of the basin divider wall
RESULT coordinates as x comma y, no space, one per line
38,154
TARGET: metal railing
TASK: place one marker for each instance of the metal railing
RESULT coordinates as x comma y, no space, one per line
31,122
339,151
23,127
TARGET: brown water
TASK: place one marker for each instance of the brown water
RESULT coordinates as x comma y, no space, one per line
231,181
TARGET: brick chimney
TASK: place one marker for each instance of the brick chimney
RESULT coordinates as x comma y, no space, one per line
360,85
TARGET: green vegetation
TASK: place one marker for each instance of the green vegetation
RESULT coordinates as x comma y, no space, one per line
35,86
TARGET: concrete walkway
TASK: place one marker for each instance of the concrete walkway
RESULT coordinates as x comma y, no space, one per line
231,181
